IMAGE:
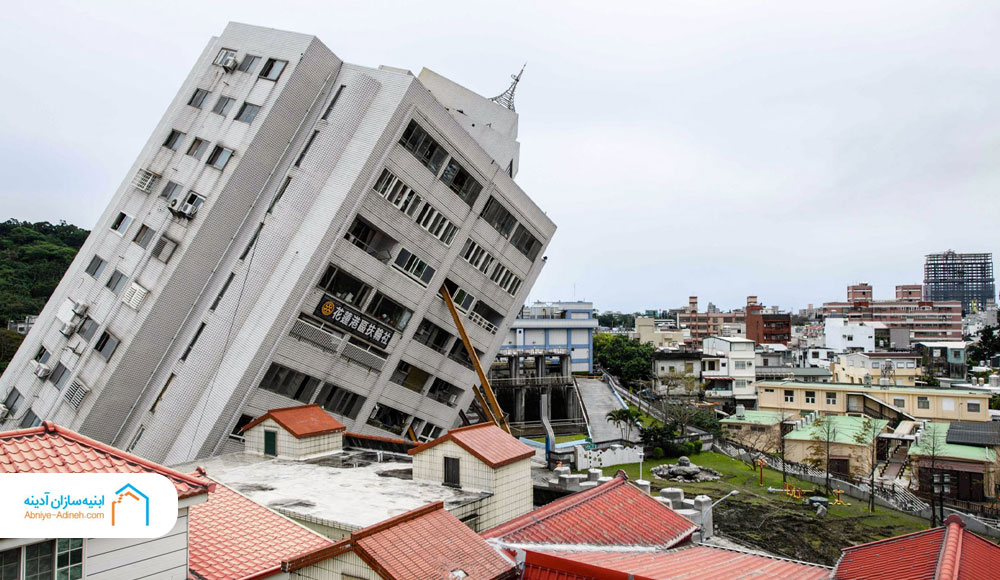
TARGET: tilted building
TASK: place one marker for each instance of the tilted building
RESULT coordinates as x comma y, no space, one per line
281,239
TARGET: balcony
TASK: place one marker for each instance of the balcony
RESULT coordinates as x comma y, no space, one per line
371,240
363,356
486,317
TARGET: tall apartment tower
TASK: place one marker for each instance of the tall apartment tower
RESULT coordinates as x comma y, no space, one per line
964,277
282,239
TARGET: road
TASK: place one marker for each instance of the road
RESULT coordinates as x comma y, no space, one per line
599,399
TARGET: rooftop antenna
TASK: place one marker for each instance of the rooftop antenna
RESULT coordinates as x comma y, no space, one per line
506,98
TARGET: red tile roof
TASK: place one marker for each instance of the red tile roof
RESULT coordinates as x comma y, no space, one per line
946,553
689,563
613,513
427,543
489,443
232,537
49,448
302,421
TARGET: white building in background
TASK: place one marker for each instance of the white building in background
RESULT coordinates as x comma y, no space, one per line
556,327
281,239
729,361
840,335
660,333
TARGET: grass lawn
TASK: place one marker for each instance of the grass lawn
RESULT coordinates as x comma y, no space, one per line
646,420
775,522
563,438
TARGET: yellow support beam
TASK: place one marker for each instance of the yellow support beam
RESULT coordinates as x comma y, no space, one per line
490,405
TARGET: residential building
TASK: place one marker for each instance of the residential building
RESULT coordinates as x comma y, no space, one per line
939,552
766,326
701,325
563,329
820,357
668,363
760,430
970,471
851,439
892,402
659,333
281,239
967,278
48,448
943,359
728,369
974,322
22,326
923,319
840,335
812,374
807,336
899,368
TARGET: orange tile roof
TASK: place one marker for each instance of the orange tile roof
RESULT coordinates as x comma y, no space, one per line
427,543
302,421
232,537
948,552
49,448
489,443
689,563
613,513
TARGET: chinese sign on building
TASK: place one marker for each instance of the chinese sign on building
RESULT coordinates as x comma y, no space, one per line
349,319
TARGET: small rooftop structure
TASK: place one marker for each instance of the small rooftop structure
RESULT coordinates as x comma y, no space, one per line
231,536
615,512
427,543
487,442
49,448
301,421
848,430
296,432
946,552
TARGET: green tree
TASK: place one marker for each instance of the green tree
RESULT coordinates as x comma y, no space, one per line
987,346
625,420
9,341
624,357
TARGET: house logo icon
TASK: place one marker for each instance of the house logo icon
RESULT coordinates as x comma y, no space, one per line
130,500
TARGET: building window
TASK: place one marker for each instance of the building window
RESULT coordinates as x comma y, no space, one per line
947,404
459,296
305,149
461,182
224,55
173,140
333,102
29,420
342,285
194,339
223,105
397,193
121,223
59,376
272,69
510,283
444,392
789,396
171,191
237,432
281,192
526,243
116,282
289,383
252,242
197,148
190,206
219,157
106,345
43,355
452,474
96,266
87,328
497,216
923,403
340,401
742,364
439,226
144,236
410,376
164,248
831,398
136,439
427,151
198,98
474,254
249,63
810,397
389,419
416,268
163,392
432,336
973,407
899,402
248,112
69,558
387,311
38,561
13,401
222,292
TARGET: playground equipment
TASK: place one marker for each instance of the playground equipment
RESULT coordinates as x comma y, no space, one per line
761,463
838,501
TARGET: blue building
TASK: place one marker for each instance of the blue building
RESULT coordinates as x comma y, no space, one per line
563,330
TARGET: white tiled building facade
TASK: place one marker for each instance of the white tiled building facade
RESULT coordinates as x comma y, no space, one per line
281,239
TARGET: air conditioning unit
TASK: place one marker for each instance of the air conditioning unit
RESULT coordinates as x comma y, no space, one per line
80,308
188,209
4,412
42,370
174,203
229,63
68,328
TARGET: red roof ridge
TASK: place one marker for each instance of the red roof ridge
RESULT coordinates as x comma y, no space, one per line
951,548
396,520
450,436
557,507
335,426
52,428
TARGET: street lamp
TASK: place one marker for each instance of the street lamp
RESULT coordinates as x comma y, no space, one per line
711,509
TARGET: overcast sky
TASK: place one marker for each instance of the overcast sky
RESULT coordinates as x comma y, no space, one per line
781,149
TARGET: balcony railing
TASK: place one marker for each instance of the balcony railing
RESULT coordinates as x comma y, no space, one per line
549,381
479,320
381,255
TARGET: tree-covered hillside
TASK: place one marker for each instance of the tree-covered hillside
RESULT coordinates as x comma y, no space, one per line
33,258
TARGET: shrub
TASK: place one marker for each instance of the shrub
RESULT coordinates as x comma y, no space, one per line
657,453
